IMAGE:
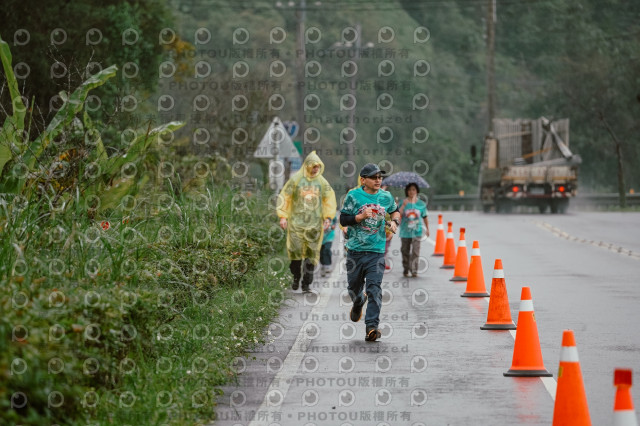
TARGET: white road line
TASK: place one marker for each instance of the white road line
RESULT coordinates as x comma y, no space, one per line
602,244
549,383
282,381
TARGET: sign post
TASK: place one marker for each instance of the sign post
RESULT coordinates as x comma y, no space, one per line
277,146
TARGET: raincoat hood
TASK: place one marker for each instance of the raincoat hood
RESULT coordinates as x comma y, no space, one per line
311,160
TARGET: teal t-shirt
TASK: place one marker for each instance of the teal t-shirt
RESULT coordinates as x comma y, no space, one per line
330,234
369,234
412,217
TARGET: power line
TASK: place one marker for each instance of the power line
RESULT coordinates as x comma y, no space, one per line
382,6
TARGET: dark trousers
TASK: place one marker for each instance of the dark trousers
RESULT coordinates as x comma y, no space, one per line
302,269
325,253
410,254
366,267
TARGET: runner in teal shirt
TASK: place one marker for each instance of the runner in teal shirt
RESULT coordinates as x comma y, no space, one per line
368,235
363,211
413,212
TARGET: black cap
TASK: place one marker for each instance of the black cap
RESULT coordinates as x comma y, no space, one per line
371,169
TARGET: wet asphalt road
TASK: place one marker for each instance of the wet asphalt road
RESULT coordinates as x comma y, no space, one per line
433,365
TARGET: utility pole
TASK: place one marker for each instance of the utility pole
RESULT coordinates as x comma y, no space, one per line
491,82
356,47
352,111
301,56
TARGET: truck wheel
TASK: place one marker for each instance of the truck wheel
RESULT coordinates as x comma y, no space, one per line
563,205
503,206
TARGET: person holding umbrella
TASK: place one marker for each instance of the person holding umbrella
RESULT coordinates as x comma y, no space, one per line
402,179
413,212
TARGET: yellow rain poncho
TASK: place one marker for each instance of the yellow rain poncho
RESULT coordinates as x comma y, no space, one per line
306,200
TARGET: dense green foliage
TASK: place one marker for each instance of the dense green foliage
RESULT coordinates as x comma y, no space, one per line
125,295
58,45
67,164
92,308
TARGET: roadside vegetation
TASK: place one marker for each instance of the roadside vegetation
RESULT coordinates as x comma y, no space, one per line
126,293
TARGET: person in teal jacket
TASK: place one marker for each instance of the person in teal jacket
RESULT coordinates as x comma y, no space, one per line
325,250
413,212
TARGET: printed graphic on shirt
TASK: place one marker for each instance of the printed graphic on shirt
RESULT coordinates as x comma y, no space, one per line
372,224
412,216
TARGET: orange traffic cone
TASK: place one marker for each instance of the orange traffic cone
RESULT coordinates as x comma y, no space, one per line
439,250
449,261
499,315
475,282
623,412
527,357
571,401
461,270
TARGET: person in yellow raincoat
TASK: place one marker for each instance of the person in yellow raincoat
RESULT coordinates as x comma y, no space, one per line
306,206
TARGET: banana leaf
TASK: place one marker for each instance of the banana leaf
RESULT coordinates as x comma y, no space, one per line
100,153
111,195
72,106
14,123
138,147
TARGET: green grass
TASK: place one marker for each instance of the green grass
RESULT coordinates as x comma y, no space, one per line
138,321
179,384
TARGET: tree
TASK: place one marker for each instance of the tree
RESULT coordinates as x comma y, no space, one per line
603,96
58,45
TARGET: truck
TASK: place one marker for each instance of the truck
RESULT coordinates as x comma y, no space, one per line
527,162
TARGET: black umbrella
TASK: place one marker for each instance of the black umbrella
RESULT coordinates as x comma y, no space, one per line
402,179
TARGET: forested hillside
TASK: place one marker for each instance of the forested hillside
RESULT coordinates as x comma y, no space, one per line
556,58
